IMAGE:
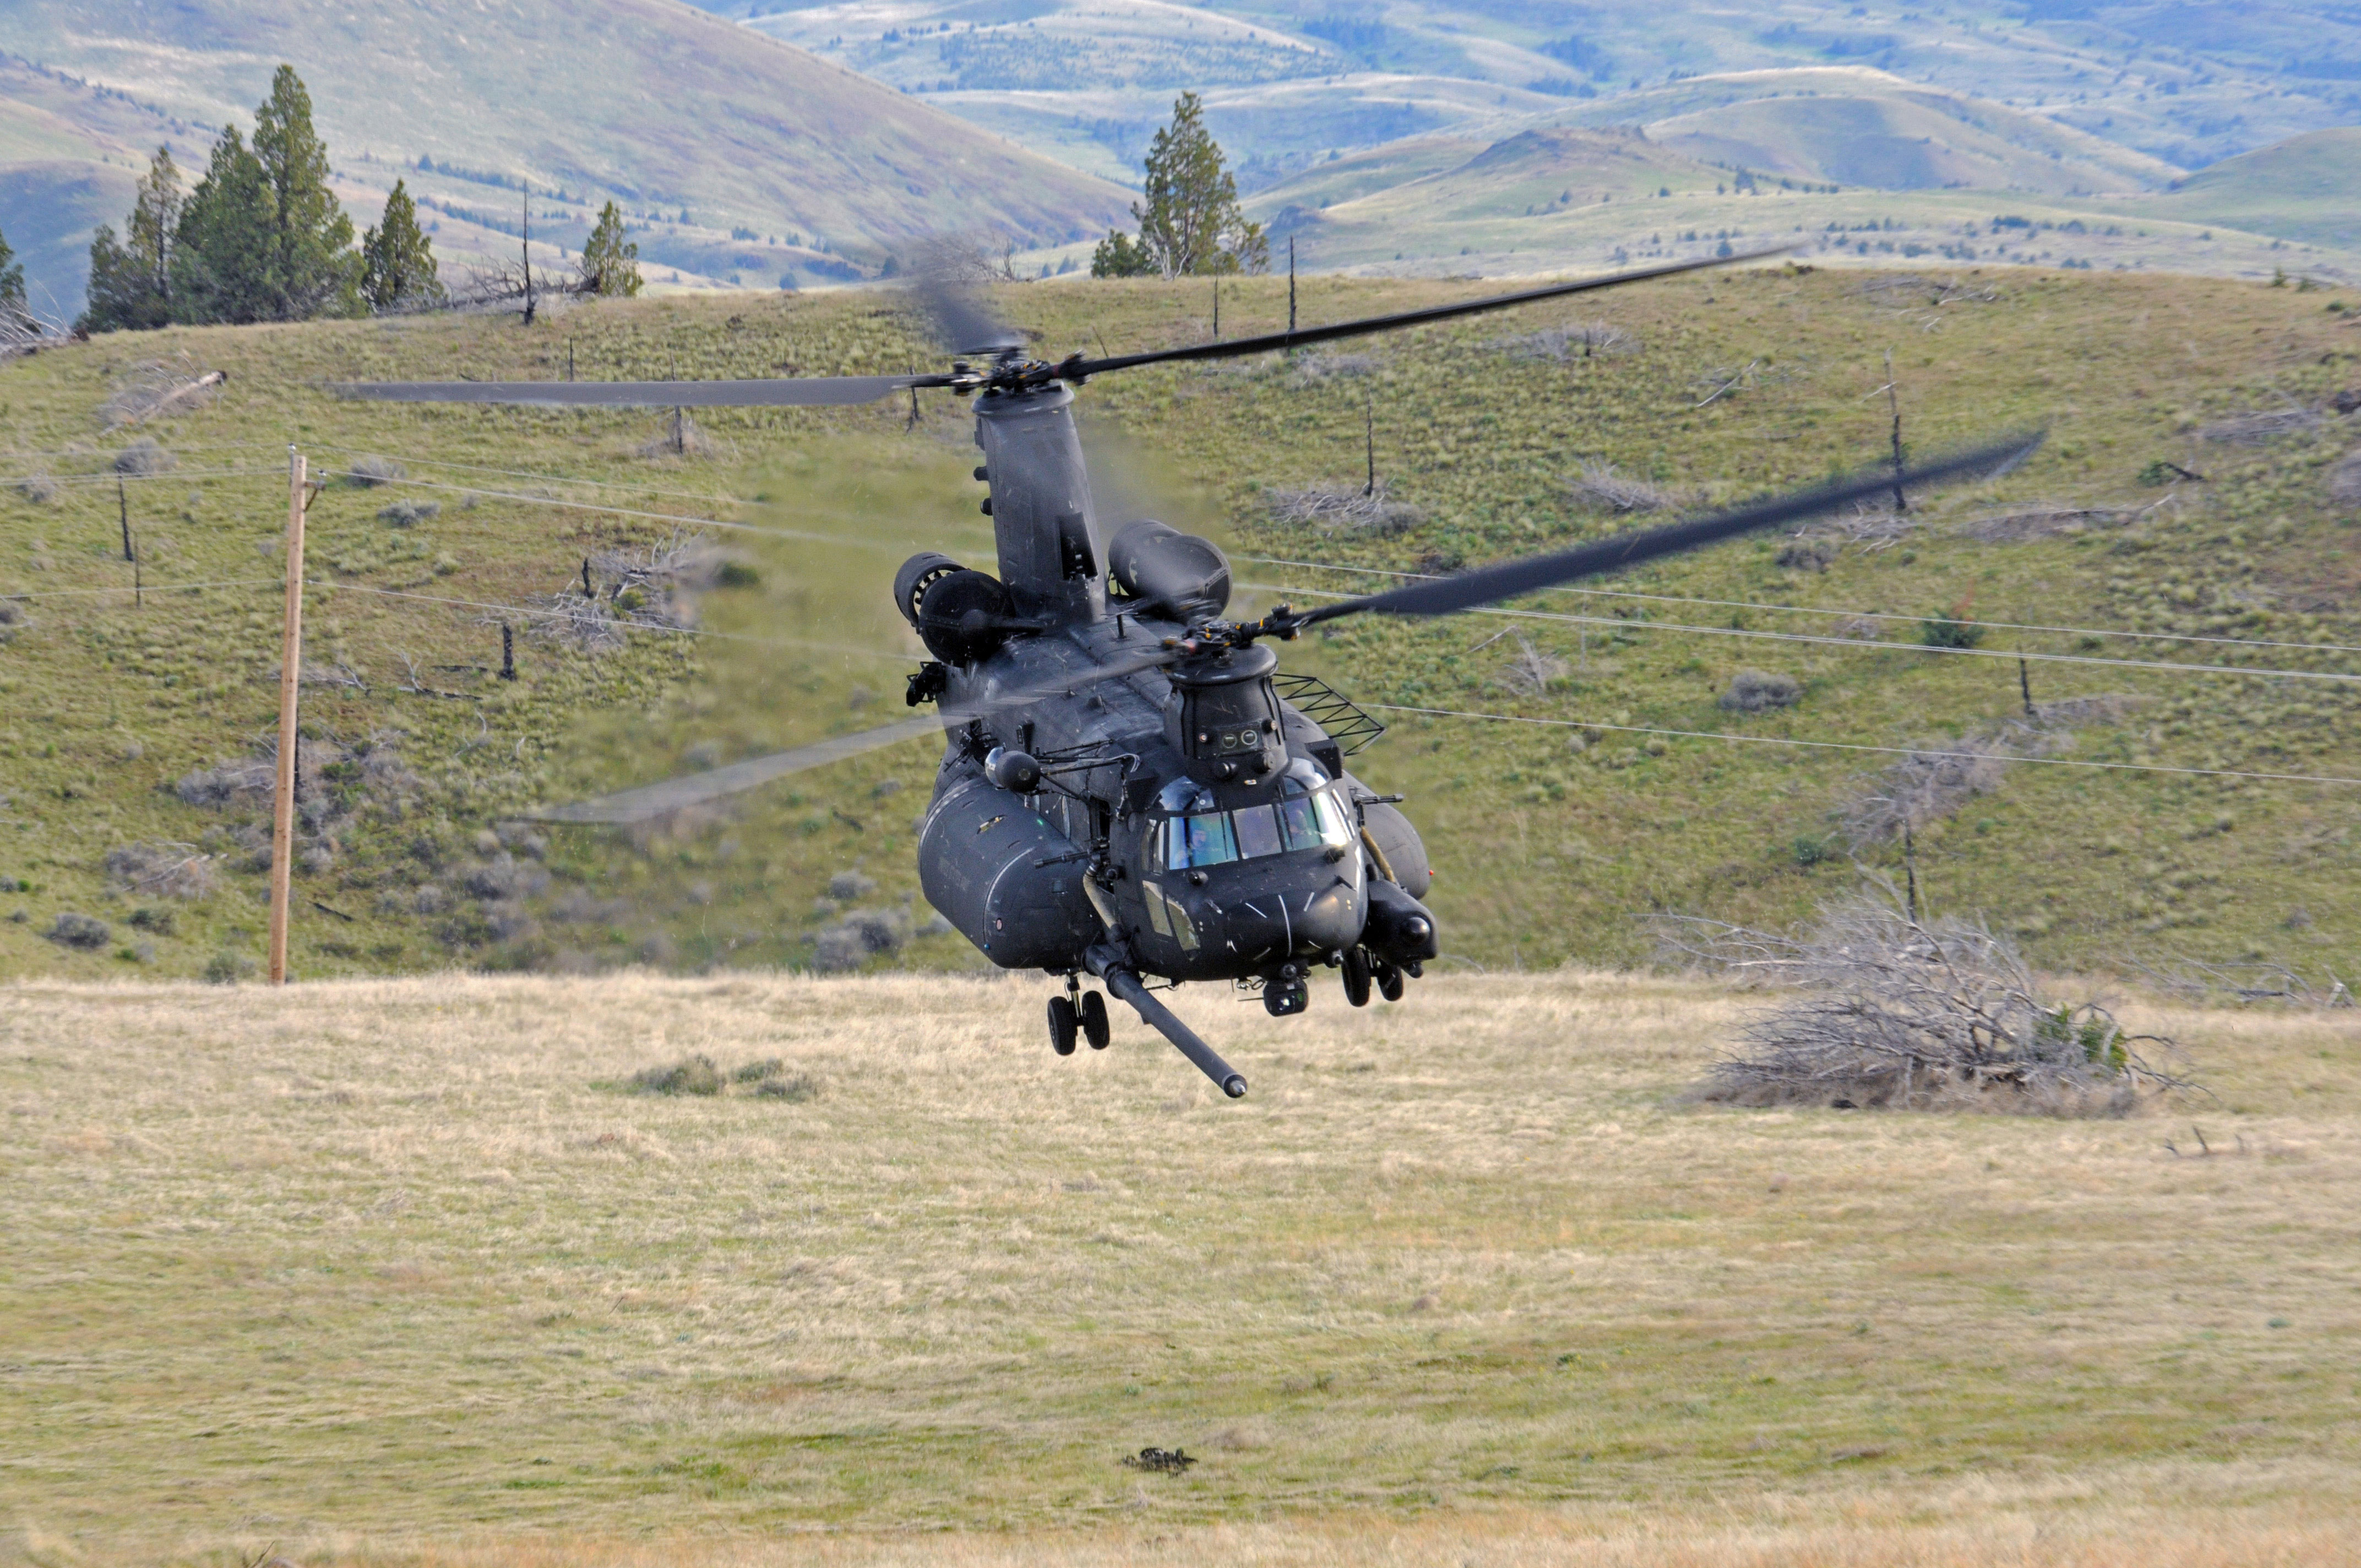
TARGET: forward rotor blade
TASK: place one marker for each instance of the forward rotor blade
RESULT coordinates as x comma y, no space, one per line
651,801
656,800
808,391
1079,369
1489,585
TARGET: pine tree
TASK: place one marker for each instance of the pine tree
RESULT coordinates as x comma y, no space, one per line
1119,256
397,263
318,271
131,282
224,263
1192,224
12,281
610,264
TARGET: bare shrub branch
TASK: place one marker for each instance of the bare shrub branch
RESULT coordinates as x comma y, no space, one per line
1598,483
1335,509
1885,1011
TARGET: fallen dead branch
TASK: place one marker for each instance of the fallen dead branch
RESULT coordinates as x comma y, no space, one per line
1885,1011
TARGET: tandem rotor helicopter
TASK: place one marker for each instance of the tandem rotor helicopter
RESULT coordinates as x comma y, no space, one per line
1131,790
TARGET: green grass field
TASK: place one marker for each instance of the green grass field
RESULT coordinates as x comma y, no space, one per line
400,1271
1551,836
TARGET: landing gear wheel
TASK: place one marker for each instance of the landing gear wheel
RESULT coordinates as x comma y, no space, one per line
1062,1024
1356,976
1285,998
1390,982
1095,1028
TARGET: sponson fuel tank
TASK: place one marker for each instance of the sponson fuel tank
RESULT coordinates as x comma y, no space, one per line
981,862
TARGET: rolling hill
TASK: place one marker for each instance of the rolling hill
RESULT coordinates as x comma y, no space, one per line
1854,164
733,153
1569,773
1289,81
2307,188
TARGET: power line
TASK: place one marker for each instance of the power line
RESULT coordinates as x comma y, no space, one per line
528,613
527,474
158,587
1858,645
1862,614
110,476
626,511
1850,745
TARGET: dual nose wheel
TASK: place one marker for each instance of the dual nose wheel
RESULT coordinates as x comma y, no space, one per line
1361,971
1088,1020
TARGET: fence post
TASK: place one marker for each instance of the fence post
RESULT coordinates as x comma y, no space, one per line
291,674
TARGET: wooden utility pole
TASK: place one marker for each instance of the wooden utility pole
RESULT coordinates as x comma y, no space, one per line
1893,404
1217,307
528,256
1370,430
291,674
1291,285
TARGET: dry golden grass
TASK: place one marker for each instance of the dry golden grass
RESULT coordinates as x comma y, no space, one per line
394,1271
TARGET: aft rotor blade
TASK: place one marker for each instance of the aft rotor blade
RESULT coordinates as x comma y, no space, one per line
1489,585
806,391
960,319
650,801
1079,369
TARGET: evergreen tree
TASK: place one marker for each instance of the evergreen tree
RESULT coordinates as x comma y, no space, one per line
224,260
610,264
318,272
1119,256
131,282
397,263
12,282
1192,224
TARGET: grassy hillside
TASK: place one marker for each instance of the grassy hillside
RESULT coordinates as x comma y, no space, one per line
2307,188
1551,836
1861,126
706,134
422,1282
1558,197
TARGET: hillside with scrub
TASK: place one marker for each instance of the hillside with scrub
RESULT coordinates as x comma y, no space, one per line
2110,698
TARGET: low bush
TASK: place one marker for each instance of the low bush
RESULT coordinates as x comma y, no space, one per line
691,1075
367,473
83,933
144,457
1760,691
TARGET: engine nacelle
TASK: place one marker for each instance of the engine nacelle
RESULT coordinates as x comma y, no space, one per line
1168,572
961,614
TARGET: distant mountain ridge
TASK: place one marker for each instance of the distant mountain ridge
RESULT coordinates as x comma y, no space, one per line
784,165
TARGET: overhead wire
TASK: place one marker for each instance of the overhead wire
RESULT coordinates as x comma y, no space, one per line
528,474
561,501
146,588
1853,746
527,613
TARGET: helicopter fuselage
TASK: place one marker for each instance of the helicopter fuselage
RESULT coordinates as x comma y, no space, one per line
1185,822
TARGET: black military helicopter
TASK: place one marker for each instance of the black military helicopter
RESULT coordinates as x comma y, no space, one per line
1129,789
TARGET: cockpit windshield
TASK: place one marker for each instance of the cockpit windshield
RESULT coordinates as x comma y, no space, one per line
1310,813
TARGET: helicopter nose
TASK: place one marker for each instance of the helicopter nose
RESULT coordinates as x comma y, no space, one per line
1330,920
